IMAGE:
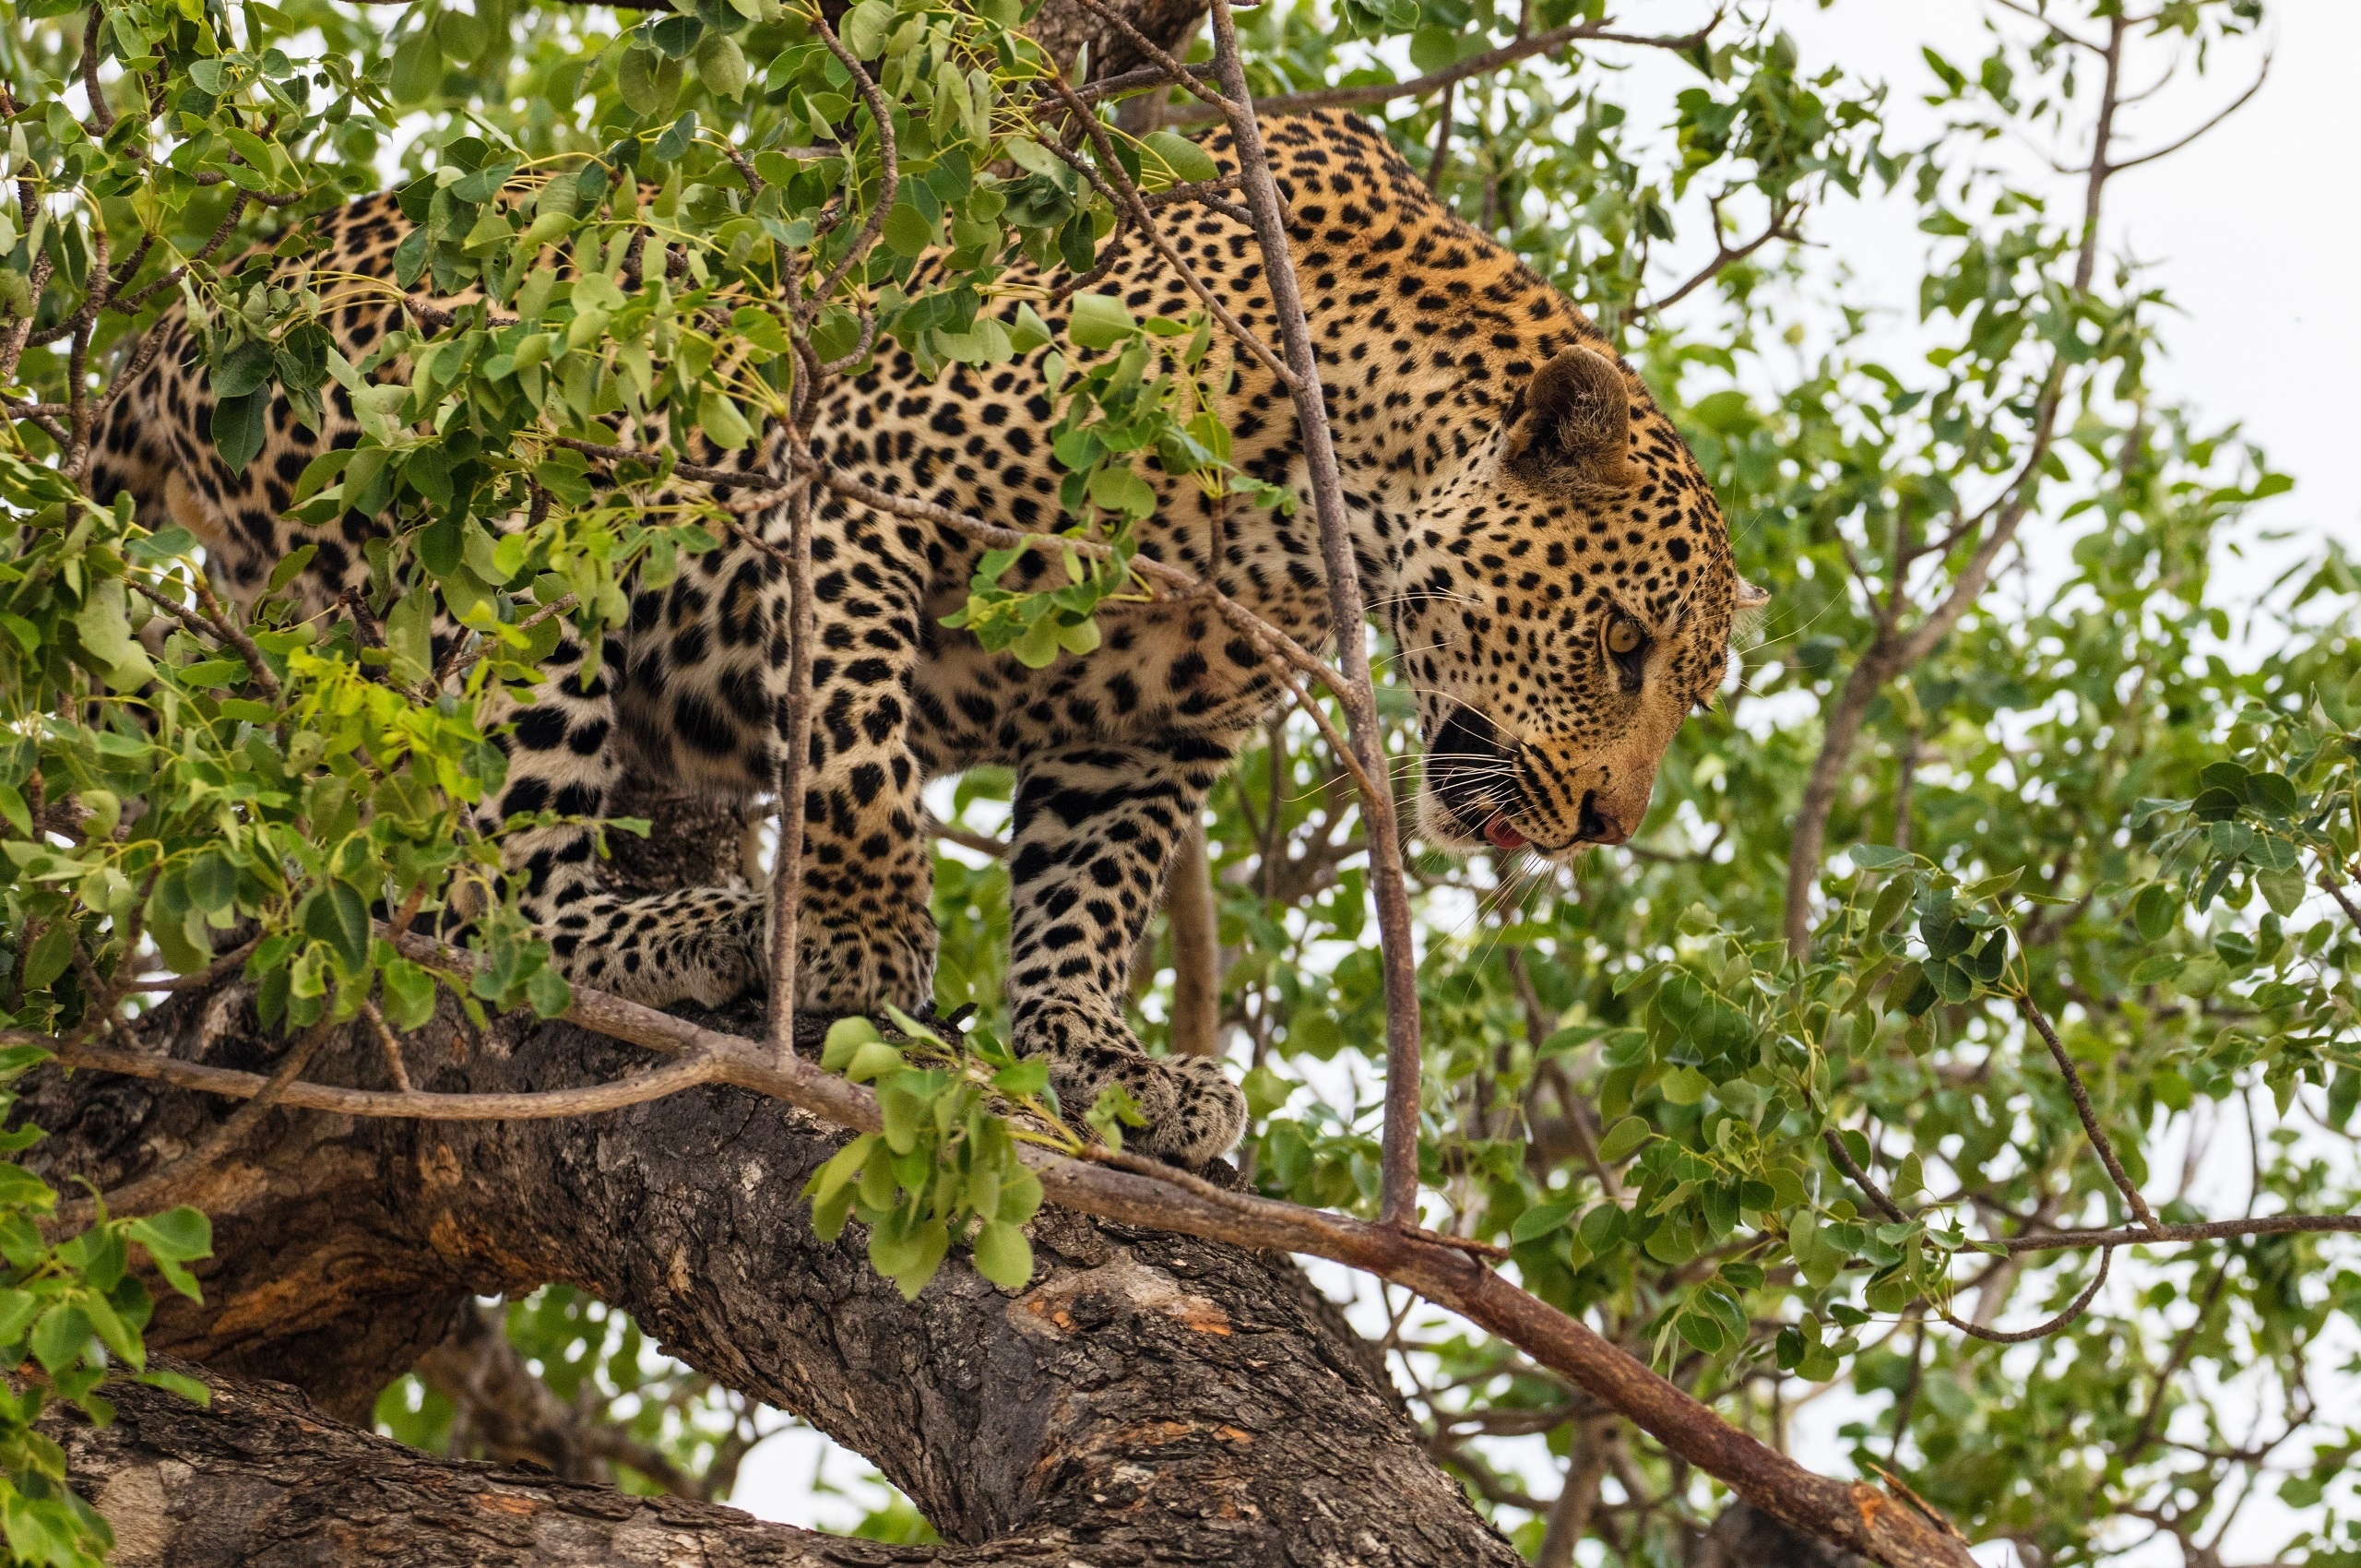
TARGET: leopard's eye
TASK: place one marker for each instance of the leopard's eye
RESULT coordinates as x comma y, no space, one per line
1626,650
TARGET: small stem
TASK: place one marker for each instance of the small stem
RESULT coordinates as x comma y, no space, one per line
1348,622
795,746
2099,1141
2079,1305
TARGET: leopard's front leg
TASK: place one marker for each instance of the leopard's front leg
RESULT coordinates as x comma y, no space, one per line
1095,827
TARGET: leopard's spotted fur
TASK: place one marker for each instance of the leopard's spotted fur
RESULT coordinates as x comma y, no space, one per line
1528,525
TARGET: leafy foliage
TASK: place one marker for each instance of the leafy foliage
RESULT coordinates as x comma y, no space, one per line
71,1313
2113,793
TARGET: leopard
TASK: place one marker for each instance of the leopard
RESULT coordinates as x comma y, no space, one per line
1528,528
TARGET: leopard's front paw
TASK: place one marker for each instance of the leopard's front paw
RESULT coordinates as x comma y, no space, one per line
1193,1112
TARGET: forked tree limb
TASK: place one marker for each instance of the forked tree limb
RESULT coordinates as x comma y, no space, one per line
486,1207
1149,1398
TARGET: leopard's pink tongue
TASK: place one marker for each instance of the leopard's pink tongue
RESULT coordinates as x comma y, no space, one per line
1501,835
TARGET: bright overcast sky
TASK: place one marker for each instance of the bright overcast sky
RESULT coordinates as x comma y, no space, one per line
2253,232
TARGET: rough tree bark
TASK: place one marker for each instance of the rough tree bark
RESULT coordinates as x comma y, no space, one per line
1149,1398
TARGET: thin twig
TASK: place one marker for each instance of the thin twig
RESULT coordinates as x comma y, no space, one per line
396,1068
1109,180
889,163
2204,1231
787,869
1348,620
2099,1140
158,1188
2079,1305
215,624
1473,65
542,1105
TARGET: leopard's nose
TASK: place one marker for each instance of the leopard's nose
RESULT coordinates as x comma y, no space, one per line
1591,827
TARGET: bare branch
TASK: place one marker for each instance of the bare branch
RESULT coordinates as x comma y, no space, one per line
414,1106
2079,1305
1781,227
2207,1231
1190,79
2099,1141
1473,65
1348,623
2056,32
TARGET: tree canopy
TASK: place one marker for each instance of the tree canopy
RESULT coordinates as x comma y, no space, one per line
2014,880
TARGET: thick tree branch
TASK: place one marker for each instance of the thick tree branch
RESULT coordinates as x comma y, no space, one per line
1148,1398
629,1207
260,1479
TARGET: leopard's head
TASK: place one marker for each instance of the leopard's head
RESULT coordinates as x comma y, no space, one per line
1567,597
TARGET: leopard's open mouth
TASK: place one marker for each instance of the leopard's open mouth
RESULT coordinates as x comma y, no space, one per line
1472,782
1501,835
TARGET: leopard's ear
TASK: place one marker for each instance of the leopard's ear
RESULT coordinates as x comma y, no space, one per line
1577,421
1747,603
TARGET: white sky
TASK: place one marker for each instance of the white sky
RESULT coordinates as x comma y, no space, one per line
2253,232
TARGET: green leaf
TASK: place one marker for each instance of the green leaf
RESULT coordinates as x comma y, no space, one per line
871,1059
721,65
410,994
339,916
1029,332
846,1037
1020,1196
1003,1256
2155,912
722,422
239,425
52,951
865,27
1541,1219
1099,321
186,1386
1026,1078
418,67
1624,1139
839,1169
547,994
637,79
1188,162
677,138
1686,1086
906,230
61,1336
2284,890
1878,857
103,624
